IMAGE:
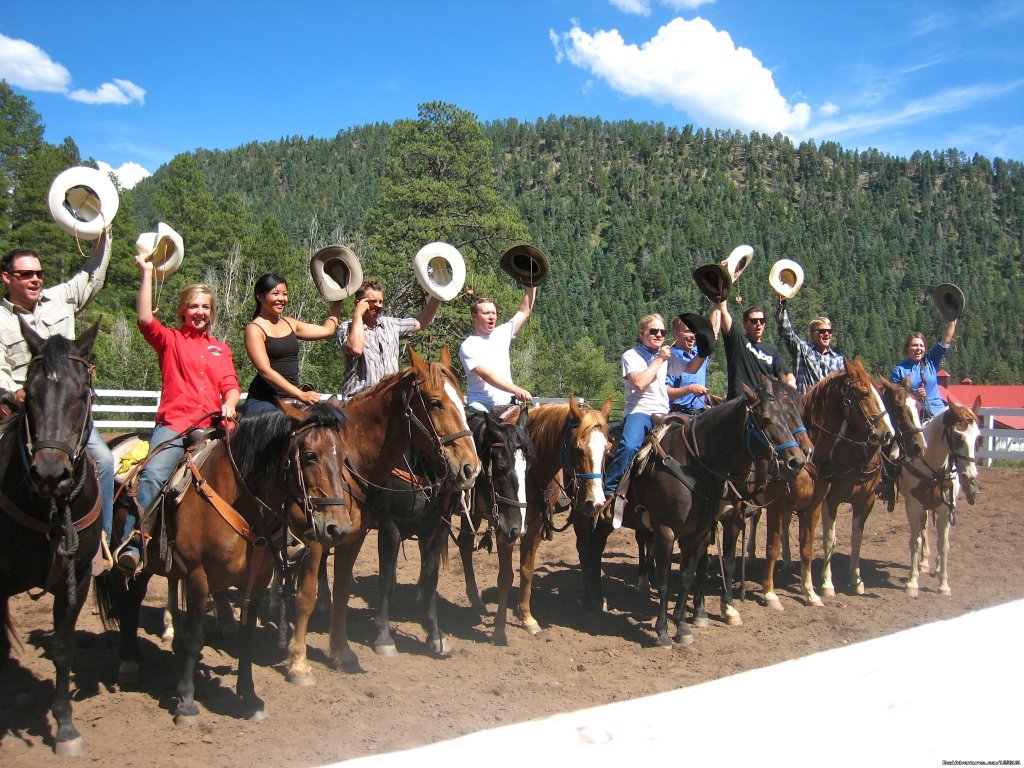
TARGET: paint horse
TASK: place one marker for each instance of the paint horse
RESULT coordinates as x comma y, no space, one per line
932,483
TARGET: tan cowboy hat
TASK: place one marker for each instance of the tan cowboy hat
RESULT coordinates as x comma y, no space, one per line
786,277
950,300
83,201
336,271
440,270
738,260
165,248
526,264
714,281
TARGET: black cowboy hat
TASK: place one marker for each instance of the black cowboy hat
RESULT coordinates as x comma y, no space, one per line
702,330
526,264
714,281
950,300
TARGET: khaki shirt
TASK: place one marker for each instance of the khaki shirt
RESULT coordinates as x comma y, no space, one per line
54,313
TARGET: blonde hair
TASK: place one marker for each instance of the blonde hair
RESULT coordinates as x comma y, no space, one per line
646,320
817,322
188,293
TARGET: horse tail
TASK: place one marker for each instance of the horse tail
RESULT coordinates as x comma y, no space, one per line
111,591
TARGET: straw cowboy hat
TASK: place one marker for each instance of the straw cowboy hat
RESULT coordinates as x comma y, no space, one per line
440,270
714,281
164,248
786,277
702,330
950,300
336,271
738,261
526,264
83,201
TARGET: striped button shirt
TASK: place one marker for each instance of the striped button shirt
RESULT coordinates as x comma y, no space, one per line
380,356
809,365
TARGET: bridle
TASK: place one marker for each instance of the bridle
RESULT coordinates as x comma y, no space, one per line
29,447
572,485
299,489
438,442
495,497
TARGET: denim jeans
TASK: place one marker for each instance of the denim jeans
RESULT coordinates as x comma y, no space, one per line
157,470
634,430
105,471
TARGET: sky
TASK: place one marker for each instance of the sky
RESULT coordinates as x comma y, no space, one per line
135,84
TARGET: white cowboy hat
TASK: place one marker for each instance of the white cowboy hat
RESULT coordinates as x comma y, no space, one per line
738,260
83,201
440,270
336,271
786,277
165,248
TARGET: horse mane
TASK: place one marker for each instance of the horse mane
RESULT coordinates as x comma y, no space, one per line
54,356
816,401
258,437
548,422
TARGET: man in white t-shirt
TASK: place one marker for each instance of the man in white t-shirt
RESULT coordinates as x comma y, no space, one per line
485,354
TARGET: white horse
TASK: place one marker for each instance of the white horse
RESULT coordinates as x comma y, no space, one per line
932,483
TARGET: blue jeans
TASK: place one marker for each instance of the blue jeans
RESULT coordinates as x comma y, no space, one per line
157,470
634,430
105,472
251,406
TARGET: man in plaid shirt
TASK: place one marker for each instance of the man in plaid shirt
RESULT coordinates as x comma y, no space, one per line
811,362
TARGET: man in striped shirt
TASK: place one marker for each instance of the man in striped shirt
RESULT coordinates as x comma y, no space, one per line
812,361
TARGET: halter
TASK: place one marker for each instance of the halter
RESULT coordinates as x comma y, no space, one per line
430,433
301,497
571,425
497,498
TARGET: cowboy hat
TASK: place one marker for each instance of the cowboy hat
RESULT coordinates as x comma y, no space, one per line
702,330
526,264
738,260
950,300
164,248
714,281
440,270
83,201
786,277
336,271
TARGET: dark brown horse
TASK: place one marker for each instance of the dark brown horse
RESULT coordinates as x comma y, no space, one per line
50,504
228,529
420,405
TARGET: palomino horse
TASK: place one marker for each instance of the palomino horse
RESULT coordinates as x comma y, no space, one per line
50,504
420,405
932,484
845,418
228,529
859,483
413,506
570,438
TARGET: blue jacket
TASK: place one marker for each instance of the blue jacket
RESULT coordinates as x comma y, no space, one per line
926,372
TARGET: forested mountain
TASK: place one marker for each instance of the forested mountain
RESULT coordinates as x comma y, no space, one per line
625,212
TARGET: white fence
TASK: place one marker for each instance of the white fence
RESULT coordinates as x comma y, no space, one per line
1000,443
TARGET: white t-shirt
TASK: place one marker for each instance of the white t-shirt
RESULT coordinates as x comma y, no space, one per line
491,352
653,399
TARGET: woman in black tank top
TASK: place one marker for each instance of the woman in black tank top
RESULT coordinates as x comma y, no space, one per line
272,343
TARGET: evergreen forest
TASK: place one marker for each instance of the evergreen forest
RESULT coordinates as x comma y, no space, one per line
624,211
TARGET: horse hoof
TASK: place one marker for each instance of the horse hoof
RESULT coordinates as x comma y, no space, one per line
828,591
683,639
531,626
71,748
385,649
945,590
859,588
186,719
128,674
774,603
301,679
663,641
701,622
442,649
734,620
911,591
499,639
815,602
258,716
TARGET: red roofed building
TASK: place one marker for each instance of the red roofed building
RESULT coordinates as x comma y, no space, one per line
992,396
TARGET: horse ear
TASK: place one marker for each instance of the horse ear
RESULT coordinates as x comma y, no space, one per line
446,357
748,393
524,418
906,383
574,407
84,343
606,409
34,341
292,408
416,360
977,405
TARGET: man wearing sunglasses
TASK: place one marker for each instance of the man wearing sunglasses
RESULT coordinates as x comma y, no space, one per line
50,312
746,356
813,361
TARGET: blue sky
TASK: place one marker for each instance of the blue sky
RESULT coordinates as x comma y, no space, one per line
136,83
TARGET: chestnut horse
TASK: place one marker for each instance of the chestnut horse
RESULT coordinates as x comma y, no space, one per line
858,484
50,504
932,483
845,419
420,405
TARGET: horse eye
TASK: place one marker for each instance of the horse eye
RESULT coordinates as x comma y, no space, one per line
309,457
436,403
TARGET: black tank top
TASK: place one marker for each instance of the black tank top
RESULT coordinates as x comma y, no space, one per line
283,354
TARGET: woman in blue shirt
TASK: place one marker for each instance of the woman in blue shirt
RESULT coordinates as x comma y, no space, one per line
923,369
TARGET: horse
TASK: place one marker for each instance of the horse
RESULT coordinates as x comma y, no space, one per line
50,523
858,485
932,483
419,405
227,529
846,419
570,439
409,506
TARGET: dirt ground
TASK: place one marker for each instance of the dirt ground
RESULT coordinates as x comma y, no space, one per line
575,662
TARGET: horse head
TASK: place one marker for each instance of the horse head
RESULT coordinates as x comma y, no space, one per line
585,449
769,426
904,408
439,413
961,433
58,409
861,397
789,401
505,450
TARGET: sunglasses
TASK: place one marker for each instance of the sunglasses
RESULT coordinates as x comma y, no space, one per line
824,331
755,320
656,331
27,274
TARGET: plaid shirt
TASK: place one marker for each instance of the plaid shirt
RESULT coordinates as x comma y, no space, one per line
810,366
380,352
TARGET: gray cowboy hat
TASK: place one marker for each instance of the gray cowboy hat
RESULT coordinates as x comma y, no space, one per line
950,300
714,281
336,271
526,264
702,330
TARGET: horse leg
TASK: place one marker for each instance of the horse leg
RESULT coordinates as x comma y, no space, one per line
916,519
700,588
255,708
590,543
69,741
322,609
828,546
340,652
299,670
689,559
170,607
389,539
752,535
662,543
5,629
430,568
730,534
787,522
773,547
643,560
466,541
808,524
197,593
226,625
942,542
128,604
861,510
528,547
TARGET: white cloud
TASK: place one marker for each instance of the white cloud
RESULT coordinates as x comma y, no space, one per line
27,66
643,7
117,92
693,67
129,174
828,109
